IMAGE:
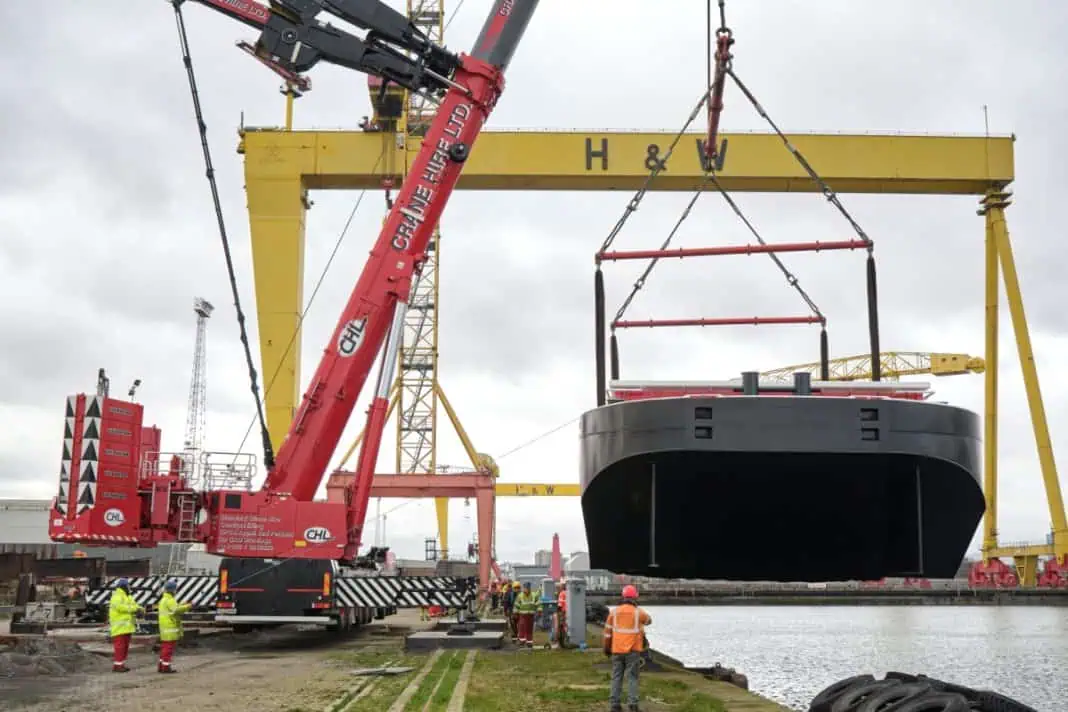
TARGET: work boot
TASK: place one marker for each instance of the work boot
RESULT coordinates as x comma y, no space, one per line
633,708
120,668
615,708
166,670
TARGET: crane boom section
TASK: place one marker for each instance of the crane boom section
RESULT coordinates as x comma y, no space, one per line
396,257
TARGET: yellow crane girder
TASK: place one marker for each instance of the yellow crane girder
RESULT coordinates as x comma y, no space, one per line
282,166
532,489
894,365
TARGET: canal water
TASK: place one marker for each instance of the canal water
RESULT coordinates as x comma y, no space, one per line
790,653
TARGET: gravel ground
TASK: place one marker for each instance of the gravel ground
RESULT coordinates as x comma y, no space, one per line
285,670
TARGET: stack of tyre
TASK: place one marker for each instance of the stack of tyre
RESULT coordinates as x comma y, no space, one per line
901,692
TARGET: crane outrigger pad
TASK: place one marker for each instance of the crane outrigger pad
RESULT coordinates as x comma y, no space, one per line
787,488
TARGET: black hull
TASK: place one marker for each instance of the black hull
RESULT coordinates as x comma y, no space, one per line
780,488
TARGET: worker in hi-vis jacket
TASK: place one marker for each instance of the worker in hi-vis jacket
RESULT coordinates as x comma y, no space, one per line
122,609
170,625
624,641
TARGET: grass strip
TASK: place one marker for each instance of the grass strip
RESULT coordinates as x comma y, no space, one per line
426,687
439,701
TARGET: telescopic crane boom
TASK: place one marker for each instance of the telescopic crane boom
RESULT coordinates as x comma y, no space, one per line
281,520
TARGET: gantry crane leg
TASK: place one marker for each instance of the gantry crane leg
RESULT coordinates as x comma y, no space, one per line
990,390
998,243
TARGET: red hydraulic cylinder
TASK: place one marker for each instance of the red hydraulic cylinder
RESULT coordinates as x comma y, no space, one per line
732,321
733,250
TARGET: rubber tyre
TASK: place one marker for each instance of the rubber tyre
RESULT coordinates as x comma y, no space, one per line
888,698
853,697
934,702
823,701
994,702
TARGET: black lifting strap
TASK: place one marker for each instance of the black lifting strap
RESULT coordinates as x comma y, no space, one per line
599,328
598,336
873,321
825,356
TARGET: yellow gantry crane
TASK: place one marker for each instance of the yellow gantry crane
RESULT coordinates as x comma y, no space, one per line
895,364
281,166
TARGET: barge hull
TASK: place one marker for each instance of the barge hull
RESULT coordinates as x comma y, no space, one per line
780,489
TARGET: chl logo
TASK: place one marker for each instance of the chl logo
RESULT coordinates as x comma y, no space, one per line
317,535
114,518
351,337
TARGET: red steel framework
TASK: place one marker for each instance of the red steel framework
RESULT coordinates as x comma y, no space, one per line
683,253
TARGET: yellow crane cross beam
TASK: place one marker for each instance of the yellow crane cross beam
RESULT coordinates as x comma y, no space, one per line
282,166
532,489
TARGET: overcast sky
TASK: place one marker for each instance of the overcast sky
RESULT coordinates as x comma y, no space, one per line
108,231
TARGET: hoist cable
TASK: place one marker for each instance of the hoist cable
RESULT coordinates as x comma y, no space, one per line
311,299
652,262
658,165
268,450
452,15
791,279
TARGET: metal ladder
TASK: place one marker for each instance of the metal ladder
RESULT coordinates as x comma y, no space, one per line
187,518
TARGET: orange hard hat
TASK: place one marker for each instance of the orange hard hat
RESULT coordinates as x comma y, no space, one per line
630,591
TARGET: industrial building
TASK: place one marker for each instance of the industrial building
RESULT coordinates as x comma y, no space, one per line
24,523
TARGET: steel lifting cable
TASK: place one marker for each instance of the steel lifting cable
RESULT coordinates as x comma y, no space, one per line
791,279
832,197
658,166
640,282
268,450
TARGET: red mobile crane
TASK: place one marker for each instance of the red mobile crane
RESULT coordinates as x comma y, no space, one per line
288,546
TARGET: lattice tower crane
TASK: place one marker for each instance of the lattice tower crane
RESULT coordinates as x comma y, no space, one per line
399,115
894,365
196,408
418,366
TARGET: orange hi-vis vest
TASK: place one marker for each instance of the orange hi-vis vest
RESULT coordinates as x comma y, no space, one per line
626,628
561,600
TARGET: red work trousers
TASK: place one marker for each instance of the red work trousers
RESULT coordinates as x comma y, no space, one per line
166,653
120,644
526,627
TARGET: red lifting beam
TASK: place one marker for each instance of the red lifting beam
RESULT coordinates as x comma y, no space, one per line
734,250
734,321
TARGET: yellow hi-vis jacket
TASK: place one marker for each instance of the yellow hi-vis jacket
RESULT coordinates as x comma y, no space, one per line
121,611
527,603
170,618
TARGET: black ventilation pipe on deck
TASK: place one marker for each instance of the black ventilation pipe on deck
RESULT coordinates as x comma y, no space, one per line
599,329
825,356
873,321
